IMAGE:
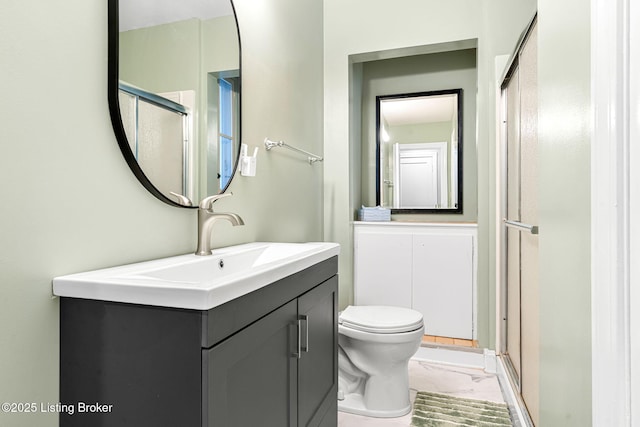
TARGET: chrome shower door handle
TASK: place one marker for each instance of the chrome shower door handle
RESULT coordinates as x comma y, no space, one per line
533,229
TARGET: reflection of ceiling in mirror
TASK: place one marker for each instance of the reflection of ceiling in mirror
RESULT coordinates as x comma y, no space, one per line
146,13
424,109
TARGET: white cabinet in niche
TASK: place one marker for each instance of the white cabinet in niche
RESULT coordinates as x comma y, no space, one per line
383,269
428,267
443,283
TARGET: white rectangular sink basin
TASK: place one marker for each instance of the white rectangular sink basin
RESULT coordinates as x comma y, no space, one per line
196,282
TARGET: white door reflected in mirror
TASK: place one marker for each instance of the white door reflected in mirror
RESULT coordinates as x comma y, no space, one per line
421,177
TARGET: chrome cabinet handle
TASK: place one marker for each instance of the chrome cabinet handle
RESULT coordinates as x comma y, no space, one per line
298,353
305,318
300,347
533,229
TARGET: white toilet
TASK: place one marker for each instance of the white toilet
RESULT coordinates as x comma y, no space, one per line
375,344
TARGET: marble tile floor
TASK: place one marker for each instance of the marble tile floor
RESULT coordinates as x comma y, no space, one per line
458,381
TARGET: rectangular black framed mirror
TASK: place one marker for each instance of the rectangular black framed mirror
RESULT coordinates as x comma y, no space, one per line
419,152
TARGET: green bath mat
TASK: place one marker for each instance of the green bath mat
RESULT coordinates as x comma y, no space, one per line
440,410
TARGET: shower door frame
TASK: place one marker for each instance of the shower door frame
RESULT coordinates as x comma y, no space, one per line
501,234
173,107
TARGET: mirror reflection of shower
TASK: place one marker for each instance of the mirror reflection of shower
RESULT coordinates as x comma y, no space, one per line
418,145
158,127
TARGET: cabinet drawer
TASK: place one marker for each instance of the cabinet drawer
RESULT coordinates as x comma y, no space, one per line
227,319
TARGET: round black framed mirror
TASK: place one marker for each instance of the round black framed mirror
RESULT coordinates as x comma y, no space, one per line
174,80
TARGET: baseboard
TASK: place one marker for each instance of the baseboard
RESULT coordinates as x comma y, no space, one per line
448,355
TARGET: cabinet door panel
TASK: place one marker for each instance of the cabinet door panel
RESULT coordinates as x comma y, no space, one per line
383,269
443,284
250,379
318,364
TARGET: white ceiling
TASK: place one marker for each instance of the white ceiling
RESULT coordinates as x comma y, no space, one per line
146,13
426,109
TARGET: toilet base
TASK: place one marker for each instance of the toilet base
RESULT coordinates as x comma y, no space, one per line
353,404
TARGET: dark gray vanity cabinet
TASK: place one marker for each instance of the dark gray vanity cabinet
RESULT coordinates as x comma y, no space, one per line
266,359
281,367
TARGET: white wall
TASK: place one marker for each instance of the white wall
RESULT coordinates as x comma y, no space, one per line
360,27
70,202
634,212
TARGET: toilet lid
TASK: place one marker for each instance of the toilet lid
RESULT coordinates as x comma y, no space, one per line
381,319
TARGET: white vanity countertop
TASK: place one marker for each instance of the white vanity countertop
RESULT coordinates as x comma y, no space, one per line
416,224
196,282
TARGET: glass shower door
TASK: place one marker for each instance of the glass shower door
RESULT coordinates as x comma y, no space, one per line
158,139
522,295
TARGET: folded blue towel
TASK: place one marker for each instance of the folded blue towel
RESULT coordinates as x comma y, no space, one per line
376,213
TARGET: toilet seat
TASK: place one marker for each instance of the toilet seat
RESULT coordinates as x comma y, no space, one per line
381,319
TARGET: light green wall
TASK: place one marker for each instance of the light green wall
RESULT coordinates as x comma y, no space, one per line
423,132
422,73
216,51
172,57
162,58
422,26
564,212
282,99
70,202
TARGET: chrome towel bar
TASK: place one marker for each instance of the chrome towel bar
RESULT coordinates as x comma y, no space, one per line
533,229
311,158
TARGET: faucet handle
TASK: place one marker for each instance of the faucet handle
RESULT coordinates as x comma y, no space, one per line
207,202
183,200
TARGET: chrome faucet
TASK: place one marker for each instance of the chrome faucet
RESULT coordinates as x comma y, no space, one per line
207,217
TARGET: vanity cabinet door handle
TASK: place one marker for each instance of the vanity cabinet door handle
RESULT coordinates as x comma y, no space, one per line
305,318
302,342
298,353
